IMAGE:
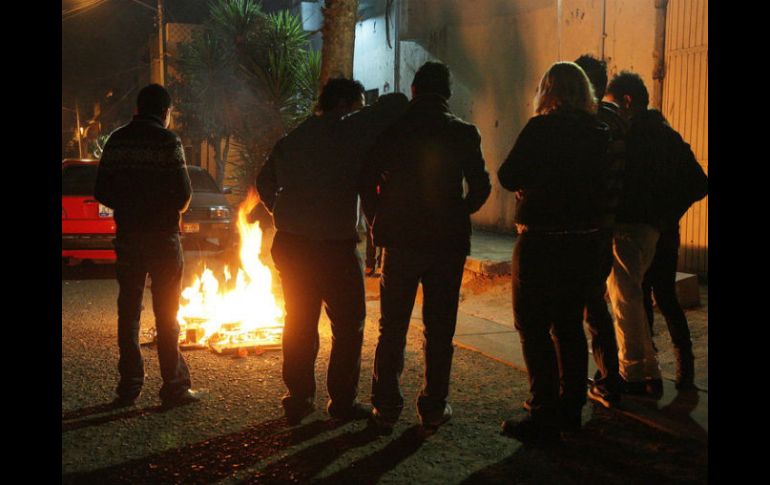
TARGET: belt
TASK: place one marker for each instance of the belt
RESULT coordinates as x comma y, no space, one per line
555,231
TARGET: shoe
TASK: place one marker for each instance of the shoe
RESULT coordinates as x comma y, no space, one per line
187,397
435,420
600,394
295,413
355,412
648,388
123,402
531,431
383,423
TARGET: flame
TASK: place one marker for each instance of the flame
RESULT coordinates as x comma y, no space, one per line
236,310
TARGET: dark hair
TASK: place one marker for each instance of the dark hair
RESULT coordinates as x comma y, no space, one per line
153,100
432,77
596,70
631,84
339,90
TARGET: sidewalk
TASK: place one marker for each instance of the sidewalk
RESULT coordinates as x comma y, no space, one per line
485,324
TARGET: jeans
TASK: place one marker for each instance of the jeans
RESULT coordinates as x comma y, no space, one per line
552,275
160,256
660,279
441,276
634,249
314,273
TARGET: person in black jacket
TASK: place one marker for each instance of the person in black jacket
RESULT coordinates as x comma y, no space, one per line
142,176
558,168
310,184
606,385
422,219
661,180
652,137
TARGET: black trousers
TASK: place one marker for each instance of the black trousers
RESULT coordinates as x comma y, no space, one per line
160,256
660,280
314,273
599,321
551,278
441,276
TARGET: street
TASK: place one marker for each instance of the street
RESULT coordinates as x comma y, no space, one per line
238,435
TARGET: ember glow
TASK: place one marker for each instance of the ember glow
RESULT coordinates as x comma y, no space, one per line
232,315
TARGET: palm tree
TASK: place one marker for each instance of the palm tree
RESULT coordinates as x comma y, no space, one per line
247,79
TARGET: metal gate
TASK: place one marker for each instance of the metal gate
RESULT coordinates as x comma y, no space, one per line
685,105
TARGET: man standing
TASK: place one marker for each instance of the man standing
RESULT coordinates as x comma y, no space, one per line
311,188
143,177
658,188
606,385
422,220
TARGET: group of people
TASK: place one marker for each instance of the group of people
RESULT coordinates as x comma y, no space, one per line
600,183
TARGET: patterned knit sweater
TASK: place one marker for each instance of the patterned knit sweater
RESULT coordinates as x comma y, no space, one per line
142,176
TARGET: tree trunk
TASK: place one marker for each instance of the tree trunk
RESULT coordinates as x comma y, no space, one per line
220,162
339,36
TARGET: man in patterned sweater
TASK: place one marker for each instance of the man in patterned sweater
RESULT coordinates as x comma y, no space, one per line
142,176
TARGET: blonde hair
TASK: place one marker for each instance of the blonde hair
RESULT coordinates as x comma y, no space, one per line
564,85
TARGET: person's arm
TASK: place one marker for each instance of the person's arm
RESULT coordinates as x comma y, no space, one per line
105,188
181,188
267,181
515,171
475,174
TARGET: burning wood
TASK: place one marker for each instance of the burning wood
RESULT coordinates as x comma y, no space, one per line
241,313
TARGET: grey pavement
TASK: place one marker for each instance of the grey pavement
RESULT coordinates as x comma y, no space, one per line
681,413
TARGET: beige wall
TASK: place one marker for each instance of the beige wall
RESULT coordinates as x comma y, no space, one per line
499,49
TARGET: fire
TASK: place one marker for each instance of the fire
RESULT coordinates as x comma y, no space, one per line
237,314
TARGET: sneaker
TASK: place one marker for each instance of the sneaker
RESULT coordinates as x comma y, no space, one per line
355,412
123,402
188,397
383,423
648,388
431,420
297,410
603,396
531,431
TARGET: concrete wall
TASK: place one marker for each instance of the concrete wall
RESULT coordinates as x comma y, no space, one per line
498,50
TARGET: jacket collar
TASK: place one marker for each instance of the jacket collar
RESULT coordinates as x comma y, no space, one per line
149,119
430,102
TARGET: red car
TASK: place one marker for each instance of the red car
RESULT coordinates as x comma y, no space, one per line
87,227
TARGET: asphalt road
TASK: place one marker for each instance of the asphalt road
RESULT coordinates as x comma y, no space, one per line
237,433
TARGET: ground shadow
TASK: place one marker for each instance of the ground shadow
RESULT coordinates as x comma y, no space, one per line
307,463
69,425
612,448
371,468
208,461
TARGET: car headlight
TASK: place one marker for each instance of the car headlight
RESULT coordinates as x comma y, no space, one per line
219,212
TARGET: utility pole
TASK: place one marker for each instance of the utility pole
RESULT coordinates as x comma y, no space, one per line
161,50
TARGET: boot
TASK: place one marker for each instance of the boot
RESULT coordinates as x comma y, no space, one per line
685,369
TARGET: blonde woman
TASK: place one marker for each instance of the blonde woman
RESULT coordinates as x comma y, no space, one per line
558,170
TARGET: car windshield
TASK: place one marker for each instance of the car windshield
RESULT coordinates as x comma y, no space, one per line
202,181
78,180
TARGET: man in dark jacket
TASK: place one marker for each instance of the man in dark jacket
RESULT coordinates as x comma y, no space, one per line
658,188
310,185
606,385
651,135
422,220
143,177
